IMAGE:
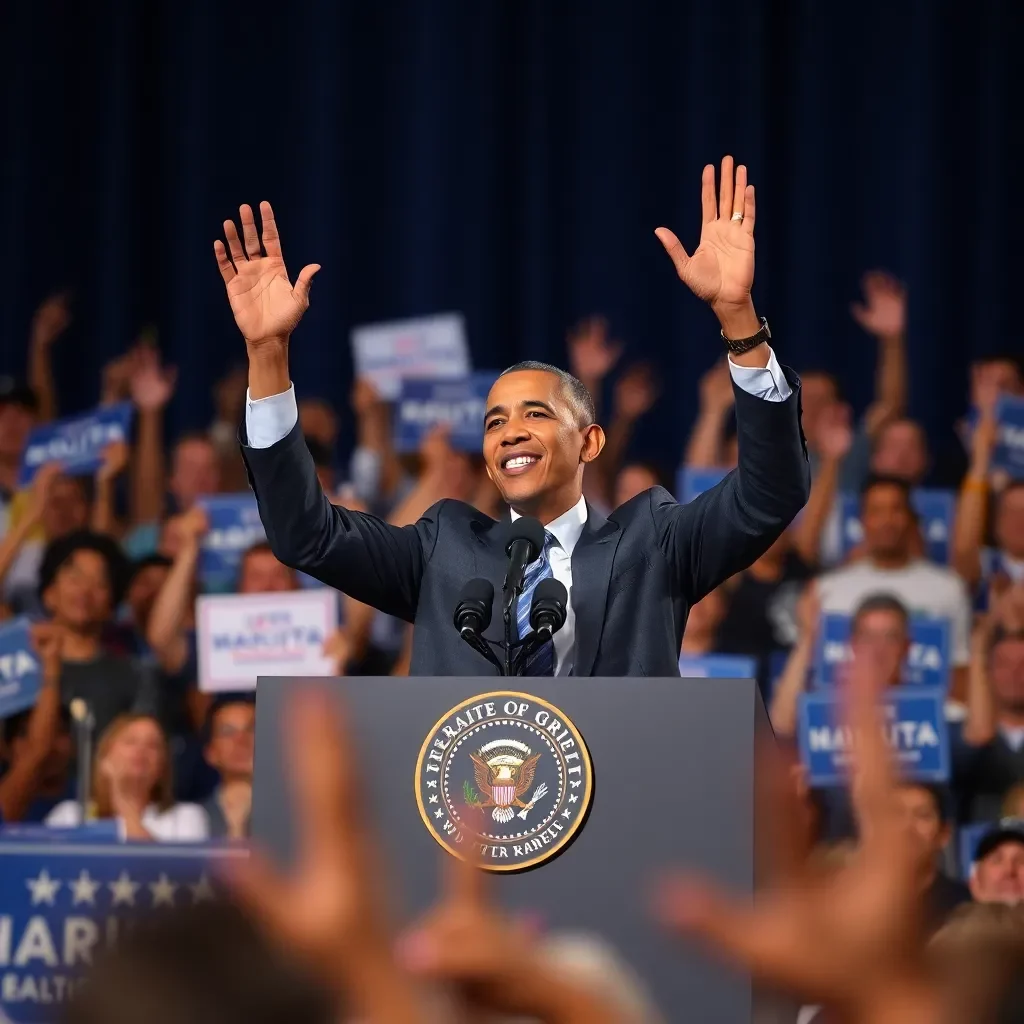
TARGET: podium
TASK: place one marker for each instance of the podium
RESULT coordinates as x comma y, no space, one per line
674,785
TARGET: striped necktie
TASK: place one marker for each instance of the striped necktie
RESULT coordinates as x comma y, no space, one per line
542,661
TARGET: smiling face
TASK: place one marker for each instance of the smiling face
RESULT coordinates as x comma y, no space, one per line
536,443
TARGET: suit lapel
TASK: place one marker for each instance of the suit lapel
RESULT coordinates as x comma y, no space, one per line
591,573
491,565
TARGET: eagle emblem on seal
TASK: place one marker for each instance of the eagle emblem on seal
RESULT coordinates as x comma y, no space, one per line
504,771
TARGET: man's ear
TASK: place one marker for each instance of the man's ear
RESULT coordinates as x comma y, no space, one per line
593,443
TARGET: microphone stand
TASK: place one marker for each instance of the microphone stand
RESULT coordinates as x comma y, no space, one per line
85,724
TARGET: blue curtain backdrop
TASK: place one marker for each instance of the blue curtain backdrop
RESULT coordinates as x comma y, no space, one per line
511,160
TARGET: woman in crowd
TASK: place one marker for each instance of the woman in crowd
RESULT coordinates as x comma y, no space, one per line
132,782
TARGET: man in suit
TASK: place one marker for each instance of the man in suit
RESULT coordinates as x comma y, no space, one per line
631,577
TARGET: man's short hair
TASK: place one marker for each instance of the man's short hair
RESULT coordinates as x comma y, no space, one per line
939,796
63,550
874,480
576,393
222,701
880,603
322,457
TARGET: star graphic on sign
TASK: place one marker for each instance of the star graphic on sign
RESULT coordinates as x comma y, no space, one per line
431,783
44,888
439,813
567,814
433,798
201,890
163,891
83,889
123,889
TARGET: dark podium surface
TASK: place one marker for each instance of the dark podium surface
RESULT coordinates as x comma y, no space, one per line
675,785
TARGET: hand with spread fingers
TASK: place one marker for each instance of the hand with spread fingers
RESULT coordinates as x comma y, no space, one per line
845,937
331,910
494,964
721,269
266,305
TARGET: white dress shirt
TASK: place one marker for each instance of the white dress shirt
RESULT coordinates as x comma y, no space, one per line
269,420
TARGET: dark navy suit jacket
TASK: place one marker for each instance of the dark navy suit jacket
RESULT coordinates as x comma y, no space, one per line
635,574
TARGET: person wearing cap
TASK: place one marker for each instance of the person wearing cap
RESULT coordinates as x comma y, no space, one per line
997,873
82,581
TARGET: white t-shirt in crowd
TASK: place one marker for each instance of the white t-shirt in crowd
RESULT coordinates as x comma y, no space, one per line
925,588
180,823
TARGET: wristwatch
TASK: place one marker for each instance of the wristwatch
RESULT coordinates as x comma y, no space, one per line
738,346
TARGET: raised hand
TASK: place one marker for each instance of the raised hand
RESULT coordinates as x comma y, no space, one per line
721,269
114,460
716,393
48,641
591,354
844,937
50,321
635,392
267,307
150,384
883,312
39,495
835,432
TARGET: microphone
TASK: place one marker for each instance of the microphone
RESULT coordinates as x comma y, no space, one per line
473,616
547,613
473,612
525,542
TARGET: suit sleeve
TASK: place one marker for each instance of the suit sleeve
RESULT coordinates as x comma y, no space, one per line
370,560
730,526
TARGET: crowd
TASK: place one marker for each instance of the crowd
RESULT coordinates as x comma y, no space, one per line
106,567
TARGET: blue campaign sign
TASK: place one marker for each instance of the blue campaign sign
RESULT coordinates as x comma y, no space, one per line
717,666
914,725
934,509
77,442
424,404
234,521
1009,451
927,662
105,830
20,672
65,902
695,480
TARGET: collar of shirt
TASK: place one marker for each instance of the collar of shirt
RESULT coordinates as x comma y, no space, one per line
1013,567
568,527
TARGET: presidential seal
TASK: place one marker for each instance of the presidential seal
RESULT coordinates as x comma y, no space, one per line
506,772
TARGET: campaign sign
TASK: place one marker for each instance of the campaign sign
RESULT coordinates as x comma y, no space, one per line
63,904
695,480
717,666
388,354
20,671
77,442
242,636
914,726
1009,450
927,661
935,509
234,522
424,404
103,830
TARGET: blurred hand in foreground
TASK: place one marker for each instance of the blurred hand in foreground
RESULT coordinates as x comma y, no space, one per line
847,937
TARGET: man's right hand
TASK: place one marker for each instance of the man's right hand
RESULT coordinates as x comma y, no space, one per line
266,306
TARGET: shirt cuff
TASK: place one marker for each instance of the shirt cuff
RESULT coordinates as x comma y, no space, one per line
271,419
768,382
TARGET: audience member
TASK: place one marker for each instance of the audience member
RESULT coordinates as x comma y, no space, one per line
889,565
82,581
925,813
229,749
991,759
132,782
997,872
